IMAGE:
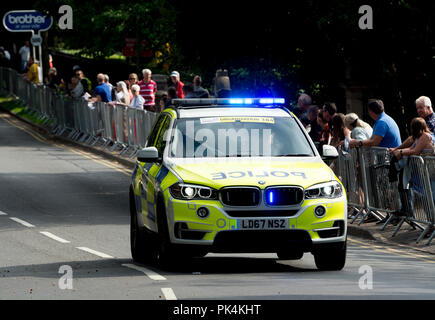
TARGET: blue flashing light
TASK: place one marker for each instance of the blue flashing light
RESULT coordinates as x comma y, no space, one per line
266,101
270,197
279,100
236,101
248,101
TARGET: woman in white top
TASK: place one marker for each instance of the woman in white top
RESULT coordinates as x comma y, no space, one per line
138,100
122,94
360,130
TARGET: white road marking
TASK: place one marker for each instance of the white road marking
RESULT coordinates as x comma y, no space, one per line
97,253
151,274
3,213
169,294
54,237
24,223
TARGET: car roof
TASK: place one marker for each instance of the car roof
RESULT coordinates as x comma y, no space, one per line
232,111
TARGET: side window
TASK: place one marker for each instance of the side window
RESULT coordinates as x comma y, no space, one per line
160,143
155,131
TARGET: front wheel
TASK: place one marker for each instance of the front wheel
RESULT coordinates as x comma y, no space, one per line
142,242
167,252
331,259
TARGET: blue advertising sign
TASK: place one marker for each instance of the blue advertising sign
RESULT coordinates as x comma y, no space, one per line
26,20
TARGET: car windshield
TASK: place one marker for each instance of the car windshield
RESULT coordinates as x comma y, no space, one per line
238,136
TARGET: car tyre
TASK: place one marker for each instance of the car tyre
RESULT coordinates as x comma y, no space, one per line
166,250
331,259
142,243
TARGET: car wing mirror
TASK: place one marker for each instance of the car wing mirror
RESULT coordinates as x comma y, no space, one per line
149,154
329,152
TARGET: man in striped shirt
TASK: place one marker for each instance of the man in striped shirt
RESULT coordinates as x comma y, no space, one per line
148,90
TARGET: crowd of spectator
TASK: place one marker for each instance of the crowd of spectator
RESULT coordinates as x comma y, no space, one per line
133,92
326,126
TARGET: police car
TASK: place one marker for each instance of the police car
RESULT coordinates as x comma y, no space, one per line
235,175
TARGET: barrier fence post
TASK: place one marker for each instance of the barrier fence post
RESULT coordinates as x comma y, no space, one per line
421,191
429,163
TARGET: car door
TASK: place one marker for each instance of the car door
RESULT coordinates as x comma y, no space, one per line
149,172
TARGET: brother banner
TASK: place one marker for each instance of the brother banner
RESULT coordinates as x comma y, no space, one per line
26,20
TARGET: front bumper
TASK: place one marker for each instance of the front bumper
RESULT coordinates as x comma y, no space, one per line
222,233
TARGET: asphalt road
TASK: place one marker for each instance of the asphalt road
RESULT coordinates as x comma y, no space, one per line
64,207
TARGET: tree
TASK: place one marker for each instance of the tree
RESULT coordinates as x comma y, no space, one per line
100,27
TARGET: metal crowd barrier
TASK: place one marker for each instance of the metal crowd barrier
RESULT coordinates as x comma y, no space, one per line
421,193
115,126
351,179
364,173
429,163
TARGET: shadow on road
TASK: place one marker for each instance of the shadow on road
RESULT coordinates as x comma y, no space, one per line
113,268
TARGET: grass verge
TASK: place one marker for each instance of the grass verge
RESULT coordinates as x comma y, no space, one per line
18,107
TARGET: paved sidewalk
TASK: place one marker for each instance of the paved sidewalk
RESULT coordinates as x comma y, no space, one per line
370,232
405,238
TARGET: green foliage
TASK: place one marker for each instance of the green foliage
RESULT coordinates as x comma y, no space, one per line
100,27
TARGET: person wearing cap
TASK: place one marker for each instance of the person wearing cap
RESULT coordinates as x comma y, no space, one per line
148,89
175,77
360,130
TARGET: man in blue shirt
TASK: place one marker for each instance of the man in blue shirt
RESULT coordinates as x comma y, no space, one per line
102,91
386,132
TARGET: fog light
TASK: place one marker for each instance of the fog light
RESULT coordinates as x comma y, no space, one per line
202,212
319,211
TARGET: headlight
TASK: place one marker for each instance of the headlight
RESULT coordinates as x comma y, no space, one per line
331,189
183,191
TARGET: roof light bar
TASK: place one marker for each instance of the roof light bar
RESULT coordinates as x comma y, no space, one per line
266,100
236,101
228,101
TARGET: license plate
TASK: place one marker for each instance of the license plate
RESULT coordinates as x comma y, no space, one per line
263,224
